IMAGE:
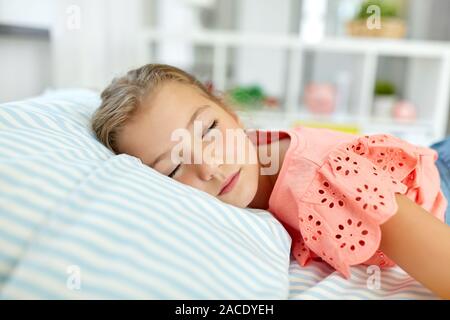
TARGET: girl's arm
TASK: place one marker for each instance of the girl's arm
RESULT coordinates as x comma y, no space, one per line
420,244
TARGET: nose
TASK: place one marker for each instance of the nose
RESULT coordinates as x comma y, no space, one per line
207,171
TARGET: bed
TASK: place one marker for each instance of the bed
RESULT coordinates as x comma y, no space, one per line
77,222
319,281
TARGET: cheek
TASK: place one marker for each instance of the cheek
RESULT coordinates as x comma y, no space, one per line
249,186
248,151
253,170
237,148
188,179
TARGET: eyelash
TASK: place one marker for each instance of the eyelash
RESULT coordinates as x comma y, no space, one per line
174,171
212,126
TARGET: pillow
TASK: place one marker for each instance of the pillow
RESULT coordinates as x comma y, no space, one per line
77,221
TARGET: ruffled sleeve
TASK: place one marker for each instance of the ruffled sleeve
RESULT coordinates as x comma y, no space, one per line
353,193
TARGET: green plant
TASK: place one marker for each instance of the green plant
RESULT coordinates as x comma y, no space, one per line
384,88
388,9
249,96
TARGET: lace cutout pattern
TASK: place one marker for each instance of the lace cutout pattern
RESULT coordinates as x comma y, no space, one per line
351,195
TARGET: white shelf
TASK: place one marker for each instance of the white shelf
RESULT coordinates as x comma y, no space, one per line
428,81
24,30
29,14
24,24
292,117
401,47
420,132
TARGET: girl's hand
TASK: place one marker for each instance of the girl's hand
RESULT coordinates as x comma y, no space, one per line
420,244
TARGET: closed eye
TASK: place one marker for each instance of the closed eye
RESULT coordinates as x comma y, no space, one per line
212,126
174,171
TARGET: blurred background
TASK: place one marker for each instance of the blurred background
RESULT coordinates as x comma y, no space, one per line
351,65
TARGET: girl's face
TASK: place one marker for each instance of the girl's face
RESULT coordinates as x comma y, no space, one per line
227,170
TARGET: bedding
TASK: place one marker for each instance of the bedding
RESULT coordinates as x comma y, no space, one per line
77,222
317,281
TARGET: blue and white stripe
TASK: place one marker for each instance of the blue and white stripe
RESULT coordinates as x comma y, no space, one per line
318,281
65,200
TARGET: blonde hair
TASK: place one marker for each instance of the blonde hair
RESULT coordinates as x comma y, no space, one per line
123,96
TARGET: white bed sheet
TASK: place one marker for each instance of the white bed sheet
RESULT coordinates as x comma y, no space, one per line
317,280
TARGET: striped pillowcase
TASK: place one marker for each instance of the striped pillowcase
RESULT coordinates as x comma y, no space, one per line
77,221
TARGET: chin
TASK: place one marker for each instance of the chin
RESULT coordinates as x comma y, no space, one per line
245,193
244,204
247,197
240,198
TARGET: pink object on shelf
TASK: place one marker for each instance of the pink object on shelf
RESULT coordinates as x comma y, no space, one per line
404,110
320,98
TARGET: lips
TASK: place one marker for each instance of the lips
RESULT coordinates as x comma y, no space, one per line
230,183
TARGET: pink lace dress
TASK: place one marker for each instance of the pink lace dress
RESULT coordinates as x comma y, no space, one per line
334,190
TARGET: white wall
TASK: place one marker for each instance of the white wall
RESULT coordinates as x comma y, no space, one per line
27,12
265,67
103,46
25,67
24,61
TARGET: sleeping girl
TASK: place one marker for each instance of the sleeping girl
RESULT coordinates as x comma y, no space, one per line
344,199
